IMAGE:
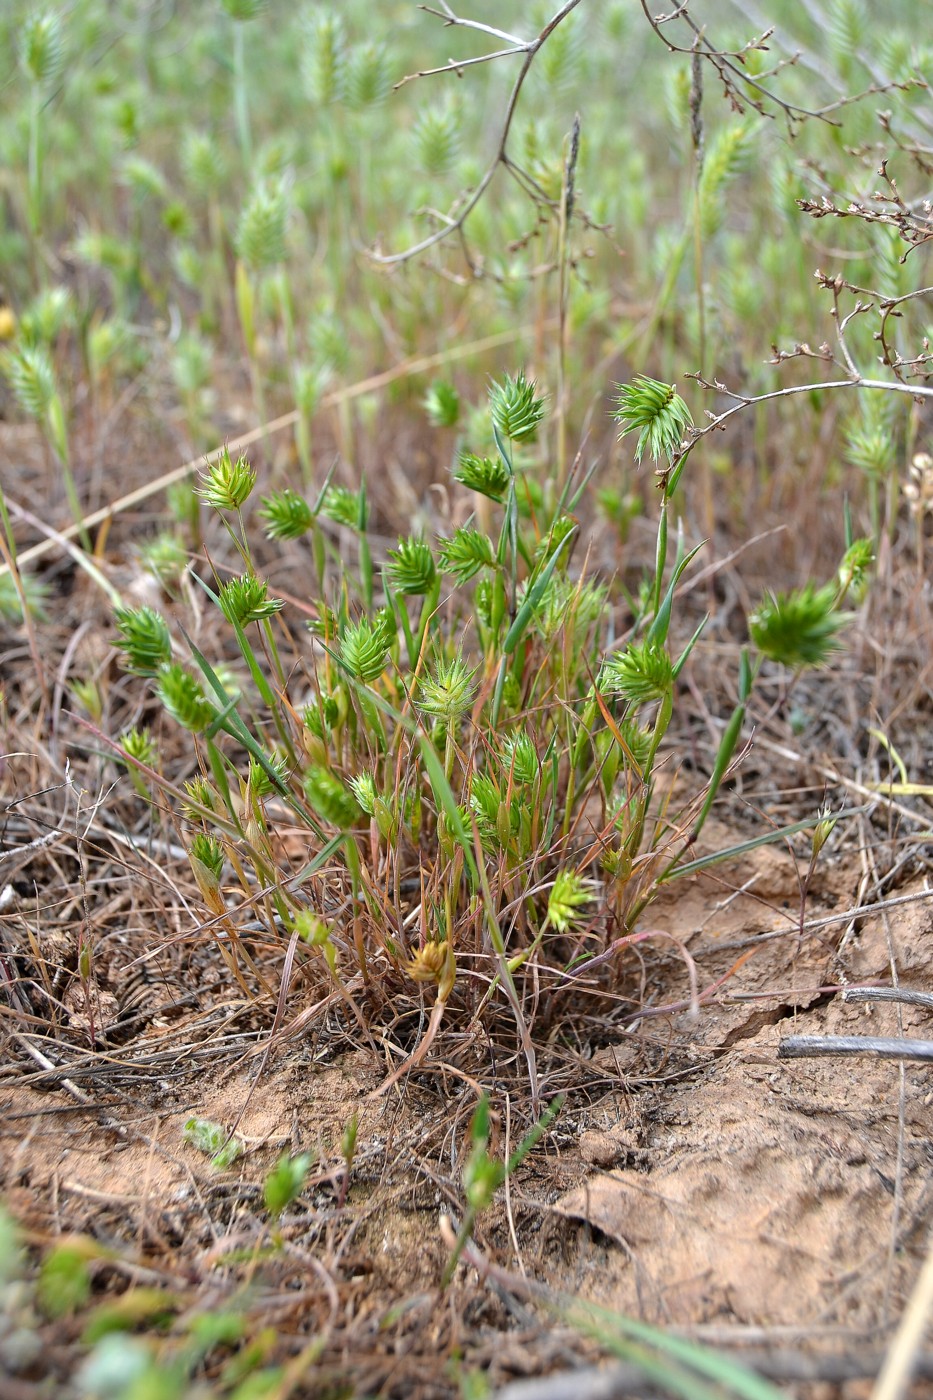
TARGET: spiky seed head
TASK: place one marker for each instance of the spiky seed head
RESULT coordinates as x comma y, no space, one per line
183,696
210,1137
436,135
324,57
658,413
30,375
260,239
144,640
42,46
411,567
520,759
485,797
726,156
515,407
442,404
569,894
429,962
854,570
345,507
447,690
202,162
245,599
165,557
637,741
642,673
330,799
138,746
465,553
200,794
226,485
364,790
35,591
871,448
490,477
363,649
322,716
209,851
561,530
569,605
823,829
311,928
287,515
798,628
368,76
143,179
259,781
43,321
284,1182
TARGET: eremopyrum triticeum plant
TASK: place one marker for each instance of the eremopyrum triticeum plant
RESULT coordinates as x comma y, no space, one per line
452,719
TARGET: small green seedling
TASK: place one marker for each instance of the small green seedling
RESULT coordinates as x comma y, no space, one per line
483,1174
284,1182
213,1140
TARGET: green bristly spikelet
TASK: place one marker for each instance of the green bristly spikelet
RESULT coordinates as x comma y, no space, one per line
568,896
42,47
447,690
245,599
183,696
368,76
657,412
640,674
226,485
260,239
515,407
798,628
436,136
465,553
259,781
344,507
30,375
853,575
323,61
364,790
442,404
165,557
243,10
144,640
138,746
330,799
210,853
520,759
286,515
490,477
35,592
200,793
363,649
411,568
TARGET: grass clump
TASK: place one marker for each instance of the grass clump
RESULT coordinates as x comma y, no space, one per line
476,776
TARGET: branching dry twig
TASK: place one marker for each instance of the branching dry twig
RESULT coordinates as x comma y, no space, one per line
530,49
